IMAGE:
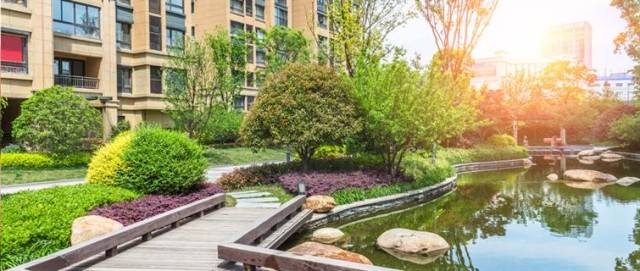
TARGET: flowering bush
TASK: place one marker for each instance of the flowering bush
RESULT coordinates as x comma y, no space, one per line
326,183
133,211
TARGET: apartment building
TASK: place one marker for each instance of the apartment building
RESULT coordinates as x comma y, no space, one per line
569,41
112,52
490,72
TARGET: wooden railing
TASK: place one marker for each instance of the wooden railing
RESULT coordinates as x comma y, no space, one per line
109,243
252,248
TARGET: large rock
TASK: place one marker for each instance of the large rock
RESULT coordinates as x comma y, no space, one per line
327,235
590,158
552,177
526,163
416,246
328,251
585,162
627,181
91,226
320,203
587,153
611,157
586,175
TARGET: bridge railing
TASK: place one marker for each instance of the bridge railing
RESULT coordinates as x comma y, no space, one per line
109,243
253,247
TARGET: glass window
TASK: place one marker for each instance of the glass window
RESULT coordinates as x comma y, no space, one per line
259,11
237,6
175,38
193,6
156,80
176,6
154,6
76,19
251,77
281,16
238,103
250,54
124,79
322,21
250,100
619,84
123,35
248,8
261,57
155,33
13,54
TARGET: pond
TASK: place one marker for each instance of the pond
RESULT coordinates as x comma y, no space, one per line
517,220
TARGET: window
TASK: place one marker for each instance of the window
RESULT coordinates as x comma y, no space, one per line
123,35
236,29
323,49
175,6
76,19
630,84
251,79
155,33
237,6
124,2
250,100
260,9
322,21
72,67
193,6
260,35
261,56
175,38
248,10
124,79
619,84
156,80
193,31
259,80
154,6
322,7
238,103
250,54
281,15
13,54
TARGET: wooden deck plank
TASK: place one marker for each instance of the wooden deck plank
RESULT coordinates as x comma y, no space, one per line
192,246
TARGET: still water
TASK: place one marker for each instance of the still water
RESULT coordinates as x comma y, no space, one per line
517,220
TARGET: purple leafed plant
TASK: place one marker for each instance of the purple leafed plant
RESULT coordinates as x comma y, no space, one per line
326,183
131,212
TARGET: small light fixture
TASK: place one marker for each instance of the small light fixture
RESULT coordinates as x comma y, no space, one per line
104,99
302,187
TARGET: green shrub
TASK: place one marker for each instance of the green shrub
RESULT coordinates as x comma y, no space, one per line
12,148
223,127
422,170
108,160
121,127
35,223
330,152
42,161
161,162
501,140
482,153
625,129
55,120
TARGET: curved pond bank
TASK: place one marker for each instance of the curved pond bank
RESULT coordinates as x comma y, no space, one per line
365,208
517,220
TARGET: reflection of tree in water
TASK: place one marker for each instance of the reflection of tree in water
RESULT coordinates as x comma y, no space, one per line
632,262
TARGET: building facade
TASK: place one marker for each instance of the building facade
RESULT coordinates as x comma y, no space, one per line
569,41
490,72
112,51
620,84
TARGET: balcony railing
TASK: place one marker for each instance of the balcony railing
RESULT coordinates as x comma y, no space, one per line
76,81
19,2
12,67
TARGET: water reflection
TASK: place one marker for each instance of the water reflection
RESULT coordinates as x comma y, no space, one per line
516,220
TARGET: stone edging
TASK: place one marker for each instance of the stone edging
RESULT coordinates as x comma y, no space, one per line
371,206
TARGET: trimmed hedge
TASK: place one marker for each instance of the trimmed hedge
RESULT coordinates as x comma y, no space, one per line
501,140
36,223
158,161
43,161
108,160
482,154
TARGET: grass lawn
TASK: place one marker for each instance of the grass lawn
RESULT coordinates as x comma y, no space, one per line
20,176
275,189
241,155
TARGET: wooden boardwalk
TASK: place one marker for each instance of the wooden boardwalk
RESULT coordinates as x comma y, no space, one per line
192,246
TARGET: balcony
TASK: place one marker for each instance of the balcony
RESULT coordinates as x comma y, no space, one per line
76,81
19,2
13,67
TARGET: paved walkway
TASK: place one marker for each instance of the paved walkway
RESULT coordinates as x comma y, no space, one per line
255,199
212,174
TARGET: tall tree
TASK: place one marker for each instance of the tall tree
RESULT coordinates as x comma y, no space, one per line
629,39
283,46
200,76
456,25
360,27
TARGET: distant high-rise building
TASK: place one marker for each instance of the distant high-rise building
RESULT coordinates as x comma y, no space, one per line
568,41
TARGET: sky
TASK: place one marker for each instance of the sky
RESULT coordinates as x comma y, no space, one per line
517,27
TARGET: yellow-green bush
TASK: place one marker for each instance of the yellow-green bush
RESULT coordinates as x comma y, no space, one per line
501,140
42,161
330,152
108,160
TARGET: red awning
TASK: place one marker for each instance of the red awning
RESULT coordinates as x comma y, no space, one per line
11,48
